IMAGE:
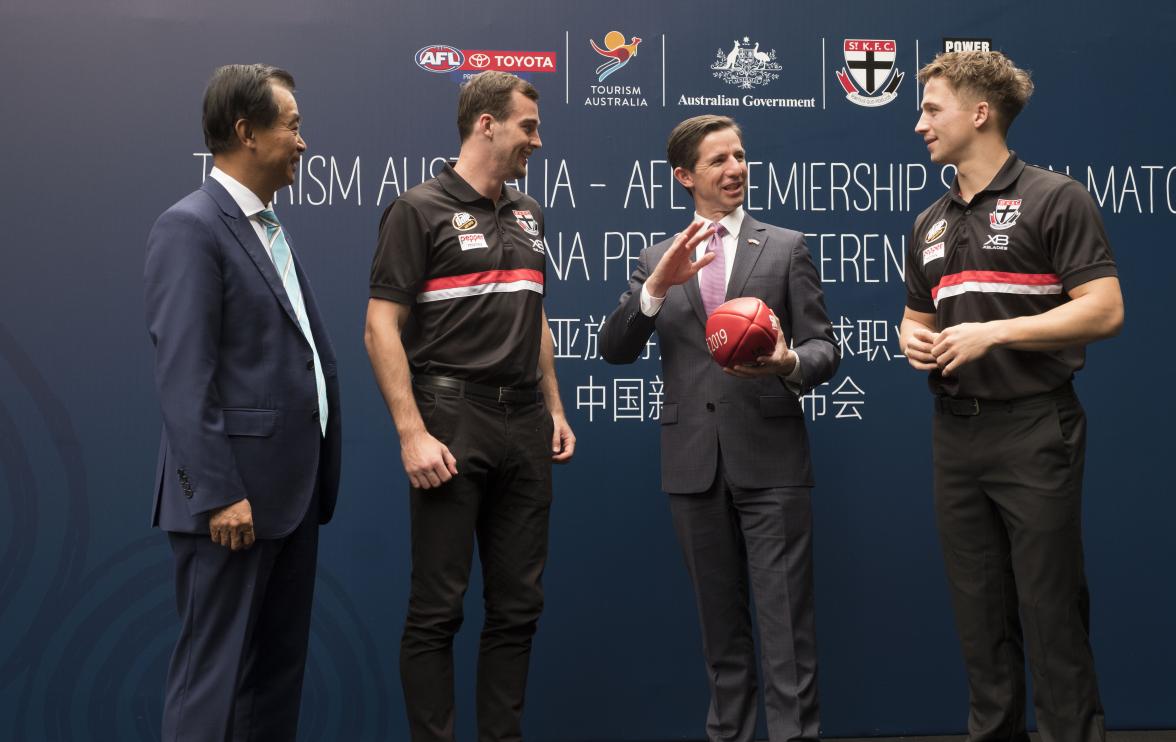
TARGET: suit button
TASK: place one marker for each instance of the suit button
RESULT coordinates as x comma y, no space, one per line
315,414
710,406
310,365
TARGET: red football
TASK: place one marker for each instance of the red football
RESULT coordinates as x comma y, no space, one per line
740,331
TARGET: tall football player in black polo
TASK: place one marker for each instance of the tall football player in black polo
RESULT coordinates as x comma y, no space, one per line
1009,276
459,343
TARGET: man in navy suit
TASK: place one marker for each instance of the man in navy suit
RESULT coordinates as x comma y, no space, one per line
735,455
249,457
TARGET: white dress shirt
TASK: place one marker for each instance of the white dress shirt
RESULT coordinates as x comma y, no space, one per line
251,206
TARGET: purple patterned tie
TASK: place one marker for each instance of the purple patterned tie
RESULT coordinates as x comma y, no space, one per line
712,279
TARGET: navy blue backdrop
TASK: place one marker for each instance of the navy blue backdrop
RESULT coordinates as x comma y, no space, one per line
100,133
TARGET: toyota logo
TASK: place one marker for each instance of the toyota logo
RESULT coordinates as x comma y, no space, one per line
479,60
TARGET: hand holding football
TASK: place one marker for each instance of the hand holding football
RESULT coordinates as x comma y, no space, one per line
741,330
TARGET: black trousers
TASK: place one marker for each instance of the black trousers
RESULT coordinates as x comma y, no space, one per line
1008,502
236,672
501,497
741,544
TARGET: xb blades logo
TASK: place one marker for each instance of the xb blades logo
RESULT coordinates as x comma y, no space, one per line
439,58
997,242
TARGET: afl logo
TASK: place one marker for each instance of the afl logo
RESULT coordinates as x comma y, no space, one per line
439,58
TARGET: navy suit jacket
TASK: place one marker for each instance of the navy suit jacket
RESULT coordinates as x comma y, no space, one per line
235,375
757,423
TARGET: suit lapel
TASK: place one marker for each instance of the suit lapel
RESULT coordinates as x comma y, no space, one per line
694,296
752,240
243,230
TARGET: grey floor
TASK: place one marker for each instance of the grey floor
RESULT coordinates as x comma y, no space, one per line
1134,736
1157,736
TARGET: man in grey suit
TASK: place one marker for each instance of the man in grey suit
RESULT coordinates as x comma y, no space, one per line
735,458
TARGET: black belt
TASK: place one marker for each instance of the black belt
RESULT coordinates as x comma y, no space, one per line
507,394
969,406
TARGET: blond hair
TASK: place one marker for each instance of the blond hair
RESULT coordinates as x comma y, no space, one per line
988,76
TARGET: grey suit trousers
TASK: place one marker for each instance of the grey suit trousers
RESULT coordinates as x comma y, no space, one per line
741,544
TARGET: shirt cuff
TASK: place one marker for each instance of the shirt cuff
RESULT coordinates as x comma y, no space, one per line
650,305
794,379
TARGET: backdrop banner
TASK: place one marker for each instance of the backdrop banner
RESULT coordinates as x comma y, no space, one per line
101,133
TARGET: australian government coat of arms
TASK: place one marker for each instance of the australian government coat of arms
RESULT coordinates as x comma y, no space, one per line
745,65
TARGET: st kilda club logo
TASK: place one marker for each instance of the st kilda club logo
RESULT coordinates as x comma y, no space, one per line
870,64
1004,216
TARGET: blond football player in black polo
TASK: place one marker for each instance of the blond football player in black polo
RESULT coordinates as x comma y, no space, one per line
1009,275
460,347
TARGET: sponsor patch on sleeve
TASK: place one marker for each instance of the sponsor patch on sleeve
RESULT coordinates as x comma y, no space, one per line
934,252
464,221
936,231
473,241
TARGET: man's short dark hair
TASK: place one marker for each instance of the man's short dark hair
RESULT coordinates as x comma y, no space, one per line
682,147
489,92
240,91
988,76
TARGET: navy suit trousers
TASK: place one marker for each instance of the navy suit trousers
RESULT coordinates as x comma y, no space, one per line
236,672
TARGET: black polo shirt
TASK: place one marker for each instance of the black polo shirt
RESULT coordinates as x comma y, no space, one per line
474,273
1016,249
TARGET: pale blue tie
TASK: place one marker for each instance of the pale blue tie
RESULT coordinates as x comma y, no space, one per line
279,251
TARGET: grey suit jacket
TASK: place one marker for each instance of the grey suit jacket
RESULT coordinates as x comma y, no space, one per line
756,423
